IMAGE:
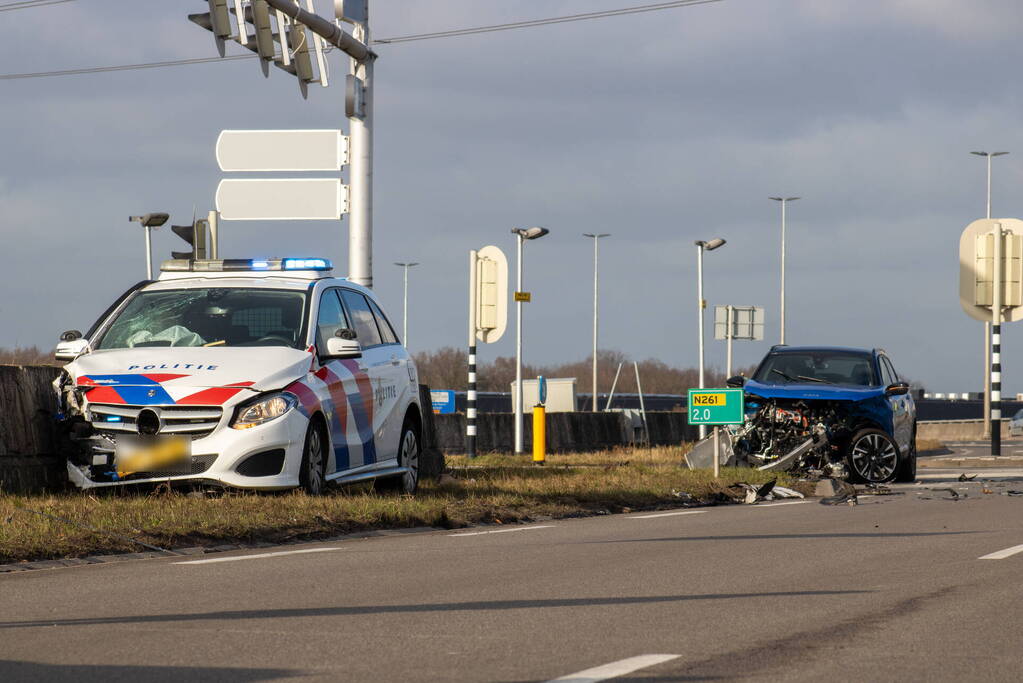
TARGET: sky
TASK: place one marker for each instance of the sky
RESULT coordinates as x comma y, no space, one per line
660,128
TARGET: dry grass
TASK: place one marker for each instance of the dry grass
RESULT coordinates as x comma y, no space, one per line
929,445
492,491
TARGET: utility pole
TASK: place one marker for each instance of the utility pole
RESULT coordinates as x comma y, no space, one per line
596,239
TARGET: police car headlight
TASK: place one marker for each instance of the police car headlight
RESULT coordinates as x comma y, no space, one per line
263,410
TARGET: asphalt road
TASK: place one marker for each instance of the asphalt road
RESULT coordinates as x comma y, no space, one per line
891,589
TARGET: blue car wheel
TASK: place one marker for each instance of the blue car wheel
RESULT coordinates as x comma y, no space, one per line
873,456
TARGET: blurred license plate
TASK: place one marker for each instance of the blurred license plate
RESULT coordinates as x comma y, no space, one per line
164,455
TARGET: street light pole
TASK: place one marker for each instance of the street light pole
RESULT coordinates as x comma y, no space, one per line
987,325
596,239
523,235
702,245
149,221
784,201
404,307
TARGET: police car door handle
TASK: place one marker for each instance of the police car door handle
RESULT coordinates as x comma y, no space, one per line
394,359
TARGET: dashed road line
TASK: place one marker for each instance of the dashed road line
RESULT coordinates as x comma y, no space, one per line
615,669
1002,554
503,531
774,505
260,556
668,514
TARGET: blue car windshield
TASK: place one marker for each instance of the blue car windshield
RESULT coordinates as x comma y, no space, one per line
817,367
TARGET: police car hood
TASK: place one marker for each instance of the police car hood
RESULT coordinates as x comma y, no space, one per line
197,375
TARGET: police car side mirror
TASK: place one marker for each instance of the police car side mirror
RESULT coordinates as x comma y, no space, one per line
70,349
338,347
735,382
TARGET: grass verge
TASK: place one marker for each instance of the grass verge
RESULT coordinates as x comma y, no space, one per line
495,489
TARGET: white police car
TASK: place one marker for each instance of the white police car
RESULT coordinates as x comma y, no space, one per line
256,374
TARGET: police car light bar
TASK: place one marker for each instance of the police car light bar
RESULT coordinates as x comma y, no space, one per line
245,264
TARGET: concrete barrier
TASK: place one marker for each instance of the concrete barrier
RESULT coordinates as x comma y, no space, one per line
955,430
29,461
565,431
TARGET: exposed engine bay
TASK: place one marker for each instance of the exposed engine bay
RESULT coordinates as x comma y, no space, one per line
816,437
785,434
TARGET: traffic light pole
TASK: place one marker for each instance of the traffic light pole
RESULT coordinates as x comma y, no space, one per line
360,129
360,170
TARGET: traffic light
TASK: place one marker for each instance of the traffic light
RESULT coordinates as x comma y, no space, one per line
217,20
260,28
195,235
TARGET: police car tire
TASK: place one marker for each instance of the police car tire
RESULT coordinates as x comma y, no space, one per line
313,456
401,483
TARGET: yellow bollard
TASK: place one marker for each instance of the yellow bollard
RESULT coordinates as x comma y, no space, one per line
539,435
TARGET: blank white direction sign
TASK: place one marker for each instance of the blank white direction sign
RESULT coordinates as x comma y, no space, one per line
282,150
285,199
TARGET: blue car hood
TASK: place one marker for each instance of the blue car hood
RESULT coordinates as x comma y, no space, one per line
812,390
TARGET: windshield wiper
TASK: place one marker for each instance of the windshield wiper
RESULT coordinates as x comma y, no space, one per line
788,377
814,379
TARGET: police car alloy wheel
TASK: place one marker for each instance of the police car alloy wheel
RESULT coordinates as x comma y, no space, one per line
408,457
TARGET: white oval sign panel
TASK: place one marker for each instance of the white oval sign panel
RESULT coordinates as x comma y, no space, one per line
282,150
282,199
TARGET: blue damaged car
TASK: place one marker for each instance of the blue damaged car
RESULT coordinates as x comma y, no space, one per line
843,412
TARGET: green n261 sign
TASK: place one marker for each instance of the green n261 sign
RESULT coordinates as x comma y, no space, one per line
716,406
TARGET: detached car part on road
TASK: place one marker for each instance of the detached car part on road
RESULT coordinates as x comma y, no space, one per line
834,411
254,374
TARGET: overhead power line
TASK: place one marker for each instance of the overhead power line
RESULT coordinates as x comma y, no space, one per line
543,22
30,4
385,41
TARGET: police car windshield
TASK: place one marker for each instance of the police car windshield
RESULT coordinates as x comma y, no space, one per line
217,316
816,367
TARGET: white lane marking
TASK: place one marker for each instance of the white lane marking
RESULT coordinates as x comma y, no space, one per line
668,514
260,556
1002,554
504,531
774,505
615,669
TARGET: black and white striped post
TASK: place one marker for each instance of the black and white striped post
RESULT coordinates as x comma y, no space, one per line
470,407
996,345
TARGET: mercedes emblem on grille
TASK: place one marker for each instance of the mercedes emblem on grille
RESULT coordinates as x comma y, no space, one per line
148,422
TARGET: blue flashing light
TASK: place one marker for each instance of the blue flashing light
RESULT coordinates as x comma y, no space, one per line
113,418
260,265
306,264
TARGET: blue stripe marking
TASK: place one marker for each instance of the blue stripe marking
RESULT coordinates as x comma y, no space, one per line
135,389
342,457
369,449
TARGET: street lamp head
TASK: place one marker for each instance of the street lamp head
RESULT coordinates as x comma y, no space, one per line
784,199
530,233
597,235
150,220
406,265
710,245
